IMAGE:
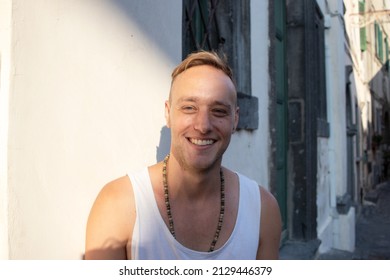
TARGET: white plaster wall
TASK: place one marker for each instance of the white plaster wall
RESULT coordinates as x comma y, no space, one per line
87,105
332,155
343,226
322,5
324,210
5,69
336,107
344,231
324,220
249,151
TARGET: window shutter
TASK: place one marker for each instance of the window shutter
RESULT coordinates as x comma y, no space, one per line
379,42
386,54
363,35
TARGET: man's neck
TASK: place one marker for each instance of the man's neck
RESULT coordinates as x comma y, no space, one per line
192,183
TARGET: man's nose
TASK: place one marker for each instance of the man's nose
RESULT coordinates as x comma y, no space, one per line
203,122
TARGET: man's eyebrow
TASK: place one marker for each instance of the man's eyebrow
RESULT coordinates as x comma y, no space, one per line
195,99
220,103
187,99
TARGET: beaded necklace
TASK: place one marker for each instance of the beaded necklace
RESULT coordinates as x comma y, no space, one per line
168,205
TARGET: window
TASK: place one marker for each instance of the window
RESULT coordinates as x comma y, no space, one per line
386,54
224,26
363,36
379,42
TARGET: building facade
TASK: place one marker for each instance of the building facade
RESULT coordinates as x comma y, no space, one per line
367,30
320,215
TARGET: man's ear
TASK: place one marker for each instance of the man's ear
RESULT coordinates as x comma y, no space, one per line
167,113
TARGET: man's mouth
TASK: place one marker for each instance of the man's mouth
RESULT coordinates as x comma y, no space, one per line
201,142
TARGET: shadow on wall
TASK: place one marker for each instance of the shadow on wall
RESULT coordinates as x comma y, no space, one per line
164,145
139,12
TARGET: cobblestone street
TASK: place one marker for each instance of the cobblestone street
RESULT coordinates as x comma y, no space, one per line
372,229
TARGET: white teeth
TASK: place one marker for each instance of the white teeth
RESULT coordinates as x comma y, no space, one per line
201,142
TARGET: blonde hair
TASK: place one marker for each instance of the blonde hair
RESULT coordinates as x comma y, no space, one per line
200,58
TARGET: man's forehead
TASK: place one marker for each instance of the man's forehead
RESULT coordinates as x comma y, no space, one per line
203,80
202,70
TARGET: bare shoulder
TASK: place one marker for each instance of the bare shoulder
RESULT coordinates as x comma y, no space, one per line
270,226
268,201
111,221
115,190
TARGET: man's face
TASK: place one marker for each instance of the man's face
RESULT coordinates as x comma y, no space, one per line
202,114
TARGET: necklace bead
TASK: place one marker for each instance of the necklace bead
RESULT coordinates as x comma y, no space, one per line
169,212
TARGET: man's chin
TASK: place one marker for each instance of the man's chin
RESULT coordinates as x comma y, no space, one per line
204,164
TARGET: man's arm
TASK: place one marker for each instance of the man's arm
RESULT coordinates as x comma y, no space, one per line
111,221
270,227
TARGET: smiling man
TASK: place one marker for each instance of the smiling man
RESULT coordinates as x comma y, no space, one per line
189,206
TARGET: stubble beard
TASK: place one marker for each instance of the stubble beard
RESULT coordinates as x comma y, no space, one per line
179,154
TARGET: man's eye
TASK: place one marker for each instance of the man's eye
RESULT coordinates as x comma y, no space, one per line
220,112
188,108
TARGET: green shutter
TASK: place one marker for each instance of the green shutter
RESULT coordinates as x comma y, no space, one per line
363,36
281,108
386,53
379,42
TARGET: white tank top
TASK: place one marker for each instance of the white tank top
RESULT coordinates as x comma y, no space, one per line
152,239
